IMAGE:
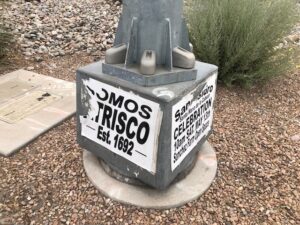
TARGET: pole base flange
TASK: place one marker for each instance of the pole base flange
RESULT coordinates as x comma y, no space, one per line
179,193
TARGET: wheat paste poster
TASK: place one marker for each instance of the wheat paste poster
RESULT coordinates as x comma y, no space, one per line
122,122
191,120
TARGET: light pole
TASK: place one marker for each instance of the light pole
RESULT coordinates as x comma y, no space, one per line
148,108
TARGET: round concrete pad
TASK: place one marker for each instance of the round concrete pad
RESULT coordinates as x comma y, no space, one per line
186,190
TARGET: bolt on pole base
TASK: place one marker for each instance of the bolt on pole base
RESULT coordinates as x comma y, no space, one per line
151,39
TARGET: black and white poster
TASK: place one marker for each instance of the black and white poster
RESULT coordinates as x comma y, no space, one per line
122,122
191,120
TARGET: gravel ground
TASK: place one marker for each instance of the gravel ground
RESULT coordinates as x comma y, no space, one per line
63,27
60,27
256,137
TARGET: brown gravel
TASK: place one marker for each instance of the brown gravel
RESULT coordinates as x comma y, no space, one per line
256,136
257,142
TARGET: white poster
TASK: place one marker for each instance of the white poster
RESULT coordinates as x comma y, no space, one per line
192,120
122,122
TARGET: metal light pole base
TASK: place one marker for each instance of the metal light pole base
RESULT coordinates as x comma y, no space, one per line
129,180
179,193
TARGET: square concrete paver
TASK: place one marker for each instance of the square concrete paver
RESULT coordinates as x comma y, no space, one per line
31,104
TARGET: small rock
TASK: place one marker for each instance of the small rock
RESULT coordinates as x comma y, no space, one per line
244,212
62,52
30,68
27,53
27,35
54,32
295,138
38,59
32,16
60,36
293,38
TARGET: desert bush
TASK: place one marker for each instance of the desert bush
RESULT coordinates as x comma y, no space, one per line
5,42
240,36
6,39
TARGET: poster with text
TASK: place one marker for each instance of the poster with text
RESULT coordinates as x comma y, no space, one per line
122,122
192,120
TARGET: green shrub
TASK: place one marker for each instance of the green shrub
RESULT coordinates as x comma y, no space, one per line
5,42
240,36
6,38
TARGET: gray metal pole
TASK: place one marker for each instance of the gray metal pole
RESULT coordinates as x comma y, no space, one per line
152,33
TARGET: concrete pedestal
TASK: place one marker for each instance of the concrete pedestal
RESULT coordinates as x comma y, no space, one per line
179,193
152,134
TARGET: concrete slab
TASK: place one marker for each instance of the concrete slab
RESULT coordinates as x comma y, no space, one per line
178,194
31,104
13,88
